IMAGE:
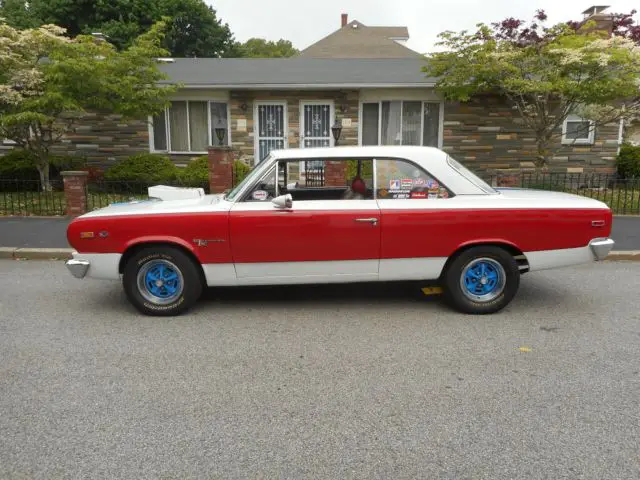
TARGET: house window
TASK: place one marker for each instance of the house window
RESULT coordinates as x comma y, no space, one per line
188,126
401,122
578,130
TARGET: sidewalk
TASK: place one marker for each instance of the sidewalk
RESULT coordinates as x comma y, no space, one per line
38,232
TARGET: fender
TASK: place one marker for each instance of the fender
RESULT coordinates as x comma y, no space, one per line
162,239
485,241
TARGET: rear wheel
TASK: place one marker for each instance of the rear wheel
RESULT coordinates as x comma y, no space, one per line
162,281
481,280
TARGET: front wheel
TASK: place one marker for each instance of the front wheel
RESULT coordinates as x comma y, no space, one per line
481,280
161,281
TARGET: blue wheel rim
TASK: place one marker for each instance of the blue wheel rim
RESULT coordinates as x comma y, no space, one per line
483,279
160,282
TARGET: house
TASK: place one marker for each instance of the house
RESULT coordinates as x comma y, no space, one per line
362,78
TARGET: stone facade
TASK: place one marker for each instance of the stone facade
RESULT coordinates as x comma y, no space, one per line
105,139
486,135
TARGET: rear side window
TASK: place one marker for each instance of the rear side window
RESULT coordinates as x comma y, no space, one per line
400,179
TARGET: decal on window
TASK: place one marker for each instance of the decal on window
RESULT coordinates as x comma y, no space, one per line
394,184
260,195
418,194
407,183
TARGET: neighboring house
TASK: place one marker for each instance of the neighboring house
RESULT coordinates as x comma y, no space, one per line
265,104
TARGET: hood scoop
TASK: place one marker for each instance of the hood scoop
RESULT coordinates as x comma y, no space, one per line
166,193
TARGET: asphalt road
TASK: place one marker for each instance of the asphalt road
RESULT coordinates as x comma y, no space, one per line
37,232
320,382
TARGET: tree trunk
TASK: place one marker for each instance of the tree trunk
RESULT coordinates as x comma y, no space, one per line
544,151
45,184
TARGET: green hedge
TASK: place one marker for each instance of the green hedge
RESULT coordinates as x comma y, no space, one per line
628,161
144,168
19,164
196,173
240,170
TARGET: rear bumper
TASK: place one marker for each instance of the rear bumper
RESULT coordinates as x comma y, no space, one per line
78,268
600,247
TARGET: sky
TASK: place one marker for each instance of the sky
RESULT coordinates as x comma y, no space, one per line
305,22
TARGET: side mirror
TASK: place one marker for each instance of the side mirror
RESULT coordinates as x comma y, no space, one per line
283,201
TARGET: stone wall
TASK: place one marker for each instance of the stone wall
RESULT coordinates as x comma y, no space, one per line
487,135
242,140
105,139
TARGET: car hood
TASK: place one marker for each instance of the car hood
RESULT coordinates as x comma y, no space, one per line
156,206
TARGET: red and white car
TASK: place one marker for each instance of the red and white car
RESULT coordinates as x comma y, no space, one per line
345,214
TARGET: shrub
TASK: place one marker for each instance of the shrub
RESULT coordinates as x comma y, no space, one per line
240,170
144,168
18,164
628,161
196,173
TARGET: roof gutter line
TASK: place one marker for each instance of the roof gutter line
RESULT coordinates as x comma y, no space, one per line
294,86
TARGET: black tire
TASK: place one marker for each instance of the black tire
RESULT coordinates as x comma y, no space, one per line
186,287
454,285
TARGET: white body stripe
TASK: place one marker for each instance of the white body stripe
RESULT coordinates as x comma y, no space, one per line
103,266
546,259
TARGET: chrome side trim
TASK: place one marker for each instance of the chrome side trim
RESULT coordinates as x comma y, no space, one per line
78,268
600,247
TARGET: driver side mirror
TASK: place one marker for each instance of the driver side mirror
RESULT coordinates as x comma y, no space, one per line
283,201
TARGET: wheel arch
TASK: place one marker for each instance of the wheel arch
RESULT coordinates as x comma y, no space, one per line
135,247
514,250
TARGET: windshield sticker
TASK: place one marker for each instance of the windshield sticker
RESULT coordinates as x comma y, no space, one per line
259,195
444,193
418,194
432,195
394,184
407,183
419,182
401,195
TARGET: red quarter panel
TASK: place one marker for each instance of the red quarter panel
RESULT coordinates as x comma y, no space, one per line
127,230
439,233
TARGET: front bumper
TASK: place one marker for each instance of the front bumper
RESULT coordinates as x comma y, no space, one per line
600,247
78,268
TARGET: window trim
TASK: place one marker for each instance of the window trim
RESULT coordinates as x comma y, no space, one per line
168,150
588,140
243,195
402,99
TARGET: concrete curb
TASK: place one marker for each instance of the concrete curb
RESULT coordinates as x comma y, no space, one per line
35,253
65,253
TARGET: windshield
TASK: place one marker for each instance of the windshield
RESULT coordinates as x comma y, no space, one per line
469,175
256,172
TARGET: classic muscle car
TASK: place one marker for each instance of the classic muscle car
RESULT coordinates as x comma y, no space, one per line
344,214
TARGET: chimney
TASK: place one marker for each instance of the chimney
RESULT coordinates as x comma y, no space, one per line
345,19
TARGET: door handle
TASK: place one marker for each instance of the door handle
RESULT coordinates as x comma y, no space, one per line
372,220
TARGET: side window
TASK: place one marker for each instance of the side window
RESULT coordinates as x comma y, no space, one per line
265,189
327,179
400,179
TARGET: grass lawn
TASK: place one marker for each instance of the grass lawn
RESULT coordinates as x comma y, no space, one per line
53,203
621,201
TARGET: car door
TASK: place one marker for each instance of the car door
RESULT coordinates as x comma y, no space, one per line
323,240
414,230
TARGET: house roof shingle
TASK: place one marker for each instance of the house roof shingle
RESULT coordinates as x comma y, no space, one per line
297,72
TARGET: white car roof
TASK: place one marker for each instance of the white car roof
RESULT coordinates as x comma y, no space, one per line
432,159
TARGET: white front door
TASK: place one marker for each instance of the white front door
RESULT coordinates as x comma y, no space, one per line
316,119
270,128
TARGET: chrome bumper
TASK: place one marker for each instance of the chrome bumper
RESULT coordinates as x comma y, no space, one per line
78,268
600,247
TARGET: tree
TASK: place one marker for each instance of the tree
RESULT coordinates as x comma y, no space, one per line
546,73
261,48
47,81
193,28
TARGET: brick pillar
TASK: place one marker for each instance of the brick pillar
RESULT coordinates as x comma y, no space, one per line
335,174
220,169
75,192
